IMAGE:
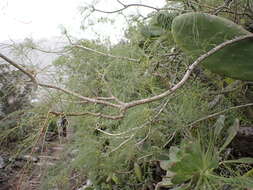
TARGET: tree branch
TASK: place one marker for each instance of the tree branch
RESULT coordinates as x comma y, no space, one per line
187,74
50,51
98,52
193,124
126,6
91,100
116,117
121,105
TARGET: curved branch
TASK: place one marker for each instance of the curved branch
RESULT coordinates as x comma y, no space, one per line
187,74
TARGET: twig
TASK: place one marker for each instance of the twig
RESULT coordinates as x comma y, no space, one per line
109,134
98,52
116,117
110,91
145,138
145,157
121,144
91,100
49,51
104,54
193,124
170,139
226,4
126,6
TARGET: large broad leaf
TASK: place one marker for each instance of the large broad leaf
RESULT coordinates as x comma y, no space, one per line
232,131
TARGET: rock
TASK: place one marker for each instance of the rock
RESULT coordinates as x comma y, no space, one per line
243,141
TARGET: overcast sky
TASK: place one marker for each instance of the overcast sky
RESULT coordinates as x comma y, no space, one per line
43,18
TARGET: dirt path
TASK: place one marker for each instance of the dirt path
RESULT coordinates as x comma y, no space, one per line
34,168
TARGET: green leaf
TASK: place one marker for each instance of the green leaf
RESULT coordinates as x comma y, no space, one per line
232,131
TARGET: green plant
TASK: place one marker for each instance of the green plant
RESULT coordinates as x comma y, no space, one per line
193,164
197,33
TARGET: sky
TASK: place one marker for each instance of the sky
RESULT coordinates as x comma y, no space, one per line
44,18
